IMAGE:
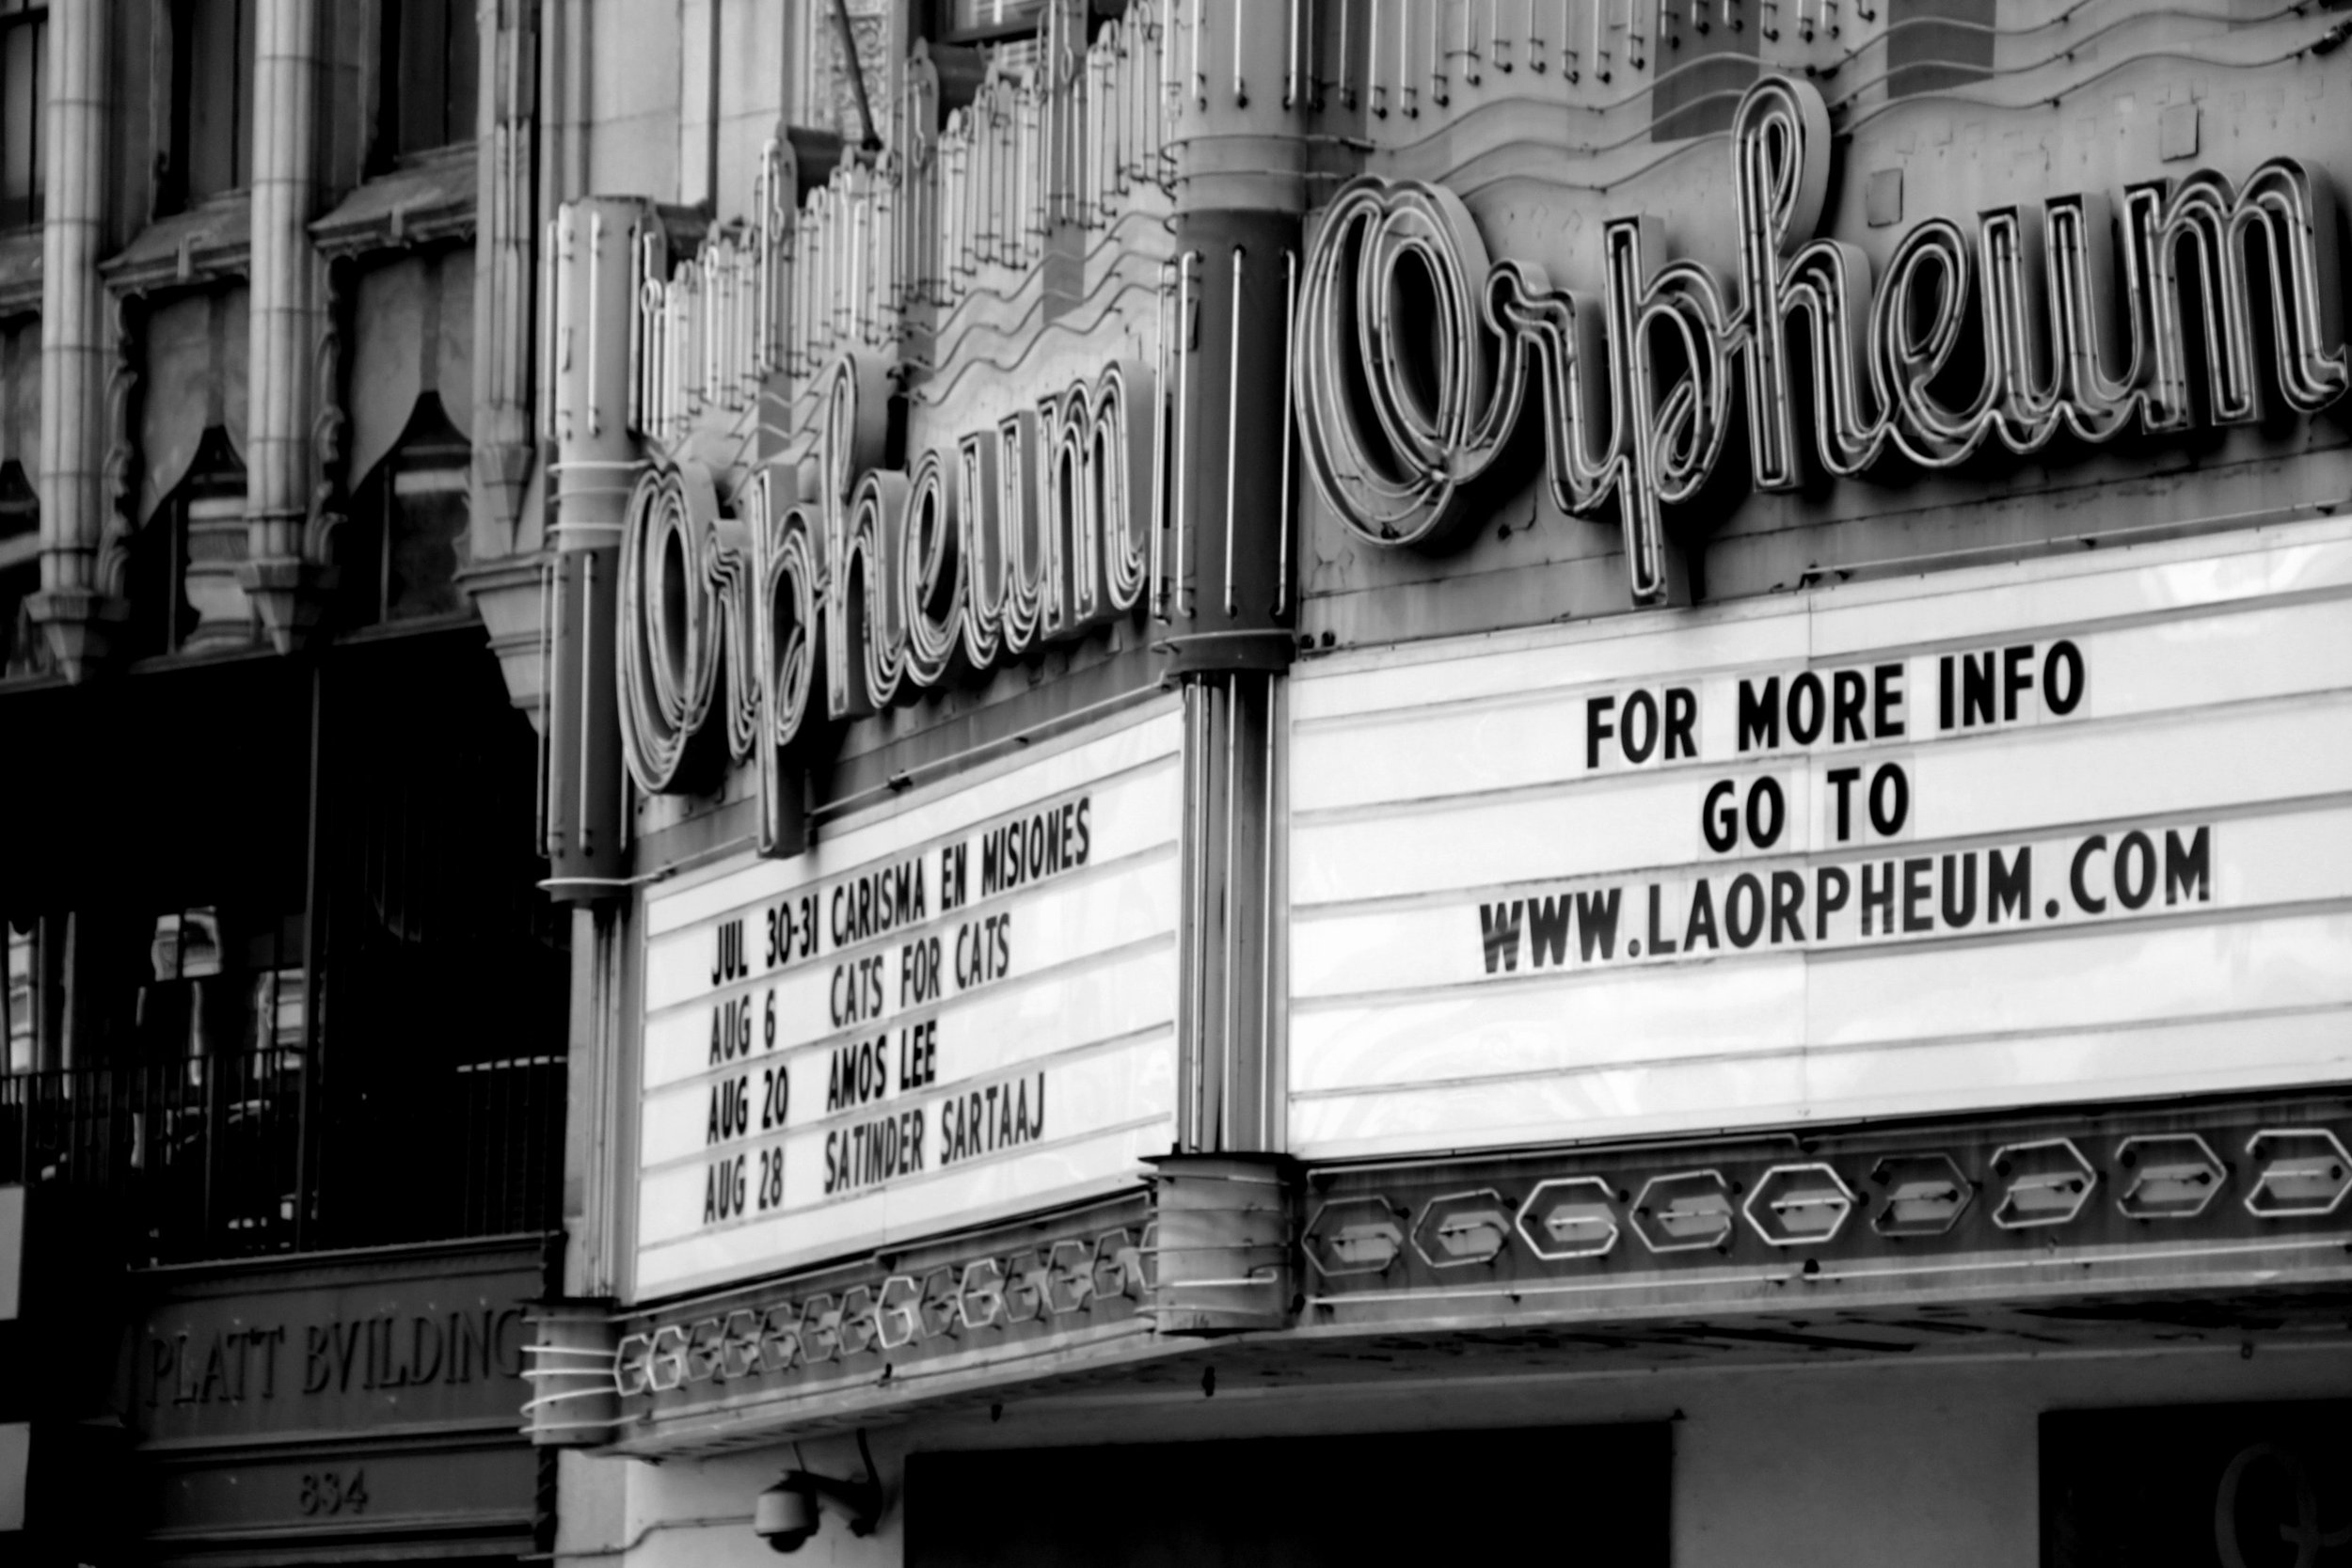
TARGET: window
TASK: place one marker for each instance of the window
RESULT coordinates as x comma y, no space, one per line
33,988
22,652
211,97
401,547
184,559
221,985
318,1000
19,1003
430,49
23,49
213,1042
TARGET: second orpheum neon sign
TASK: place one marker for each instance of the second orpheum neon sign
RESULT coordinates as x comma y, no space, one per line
1396,448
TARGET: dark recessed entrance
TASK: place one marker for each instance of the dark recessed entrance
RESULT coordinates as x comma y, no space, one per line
1601,1492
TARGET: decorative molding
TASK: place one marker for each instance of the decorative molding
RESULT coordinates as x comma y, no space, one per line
505,154
2069,1203
209,247
432,201
2084,1220
127,313
836,1331
330,423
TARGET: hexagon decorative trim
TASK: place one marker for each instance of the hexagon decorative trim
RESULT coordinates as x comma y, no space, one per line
2173,1175
1463,1234
2053,1187
1926,1195
1566,1220
1370,1244
1690,1210
2293,1185
1804,1205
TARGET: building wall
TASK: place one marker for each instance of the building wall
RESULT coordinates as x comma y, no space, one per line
276,434
1183,228
1927,1460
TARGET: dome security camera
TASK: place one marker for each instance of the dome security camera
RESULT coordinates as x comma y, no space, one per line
785,1515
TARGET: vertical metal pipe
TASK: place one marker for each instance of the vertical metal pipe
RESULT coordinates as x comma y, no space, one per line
1184,424
543,816
763,261
595,318
1282,521
1241,93
1233,424
587,684
210,1064
1195,773
1440,82
1200,65
1267,1089
313,933
552,324
1159,447
1290,82
636,269
1231,905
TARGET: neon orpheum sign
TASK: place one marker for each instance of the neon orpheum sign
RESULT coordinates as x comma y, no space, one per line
871,583
1634,390
868,583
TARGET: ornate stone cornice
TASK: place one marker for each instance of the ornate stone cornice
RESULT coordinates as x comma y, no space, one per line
207,245
432,201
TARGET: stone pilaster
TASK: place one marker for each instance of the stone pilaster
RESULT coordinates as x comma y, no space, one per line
506,577
76,610
285,582
1240,151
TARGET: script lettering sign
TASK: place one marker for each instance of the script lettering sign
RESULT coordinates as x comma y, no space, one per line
853,585
1636,393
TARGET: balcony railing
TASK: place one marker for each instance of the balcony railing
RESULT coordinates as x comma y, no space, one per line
263,1152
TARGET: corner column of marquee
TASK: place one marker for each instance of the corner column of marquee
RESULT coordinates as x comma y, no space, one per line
504,576
591,291
1237,135
77,608
281,574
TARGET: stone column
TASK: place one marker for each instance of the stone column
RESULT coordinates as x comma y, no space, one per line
504,228
504,577
281,463
74,609
1240,152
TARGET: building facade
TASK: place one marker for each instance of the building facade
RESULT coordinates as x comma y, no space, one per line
1348,779
283,1099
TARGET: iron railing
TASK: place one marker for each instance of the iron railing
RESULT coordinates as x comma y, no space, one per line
233,1155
